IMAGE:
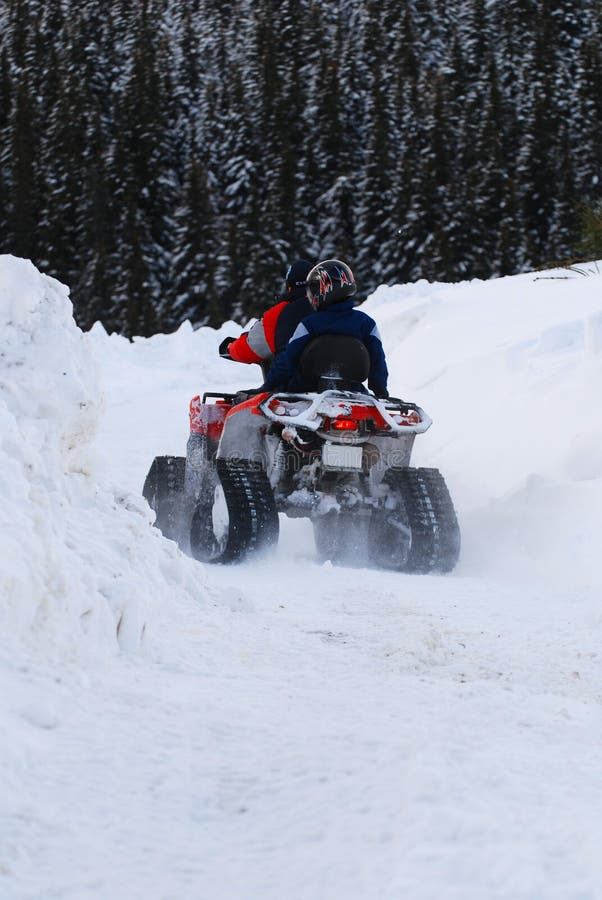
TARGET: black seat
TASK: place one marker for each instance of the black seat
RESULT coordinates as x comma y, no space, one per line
334,362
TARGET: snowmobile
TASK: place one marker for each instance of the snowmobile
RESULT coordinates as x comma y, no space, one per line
336,455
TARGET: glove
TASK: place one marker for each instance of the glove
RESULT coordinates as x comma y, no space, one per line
246,394
223,347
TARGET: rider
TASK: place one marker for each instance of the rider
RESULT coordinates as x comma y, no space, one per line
269,336
330,289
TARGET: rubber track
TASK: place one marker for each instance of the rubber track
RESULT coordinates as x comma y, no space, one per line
252,509
431,516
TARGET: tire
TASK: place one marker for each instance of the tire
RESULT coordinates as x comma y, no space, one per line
422,535
235,513
164,491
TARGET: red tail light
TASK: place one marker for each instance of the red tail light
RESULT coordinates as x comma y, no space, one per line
344,425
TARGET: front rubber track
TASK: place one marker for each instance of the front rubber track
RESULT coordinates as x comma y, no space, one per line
251,513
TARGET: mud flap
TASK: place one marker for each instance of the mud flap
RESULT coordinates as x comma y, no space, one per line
164,492
343,537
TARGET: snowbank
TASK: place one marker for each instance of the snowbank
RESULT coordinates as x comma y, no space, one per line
510,371
78,560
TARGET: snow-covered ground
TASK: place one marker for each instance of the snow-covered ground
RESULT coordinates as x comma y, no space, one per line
286,729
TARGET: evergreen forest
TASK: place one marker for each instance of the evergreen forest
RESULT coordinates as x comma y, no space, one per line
167,158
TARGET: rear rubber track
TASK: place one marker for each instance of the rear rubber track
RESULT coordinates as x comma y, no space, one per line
430,514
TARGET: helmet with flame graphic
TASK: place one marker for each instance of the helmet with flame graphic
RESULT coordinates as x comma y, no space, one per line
330,281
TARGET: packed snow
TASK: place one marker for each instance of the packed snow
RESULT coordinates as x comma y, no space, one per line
285,729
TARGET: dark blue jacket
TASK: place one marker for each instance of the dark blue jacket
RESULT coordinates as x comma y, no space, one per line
340,318
296,309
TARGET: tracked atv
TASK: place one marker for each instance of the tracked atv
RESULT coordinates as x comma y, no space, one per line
337,456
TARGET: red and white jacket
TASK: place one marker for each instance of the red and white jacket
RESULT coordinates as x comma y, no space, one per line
270,335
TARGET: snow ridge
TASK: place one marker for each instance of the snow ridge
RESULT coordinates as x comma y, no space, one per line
80,565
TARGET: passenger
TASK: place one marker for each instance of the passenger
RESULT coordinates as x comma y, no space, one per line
269,336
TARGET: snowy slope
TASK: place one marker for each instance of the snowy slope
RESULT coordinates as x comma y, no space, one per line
284,729
76,556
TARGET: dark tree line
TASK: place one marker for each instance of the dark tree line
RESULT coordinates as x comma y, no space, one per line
165,158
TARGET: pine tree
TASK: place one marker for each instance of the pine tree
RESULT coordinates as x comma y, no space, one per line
24,206
587,129
590,242
95,287
195,253
146,186
5,132
375,226
538,158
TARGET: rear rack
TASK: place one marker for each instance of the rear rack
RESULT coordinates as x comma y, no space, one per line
218,395
310,419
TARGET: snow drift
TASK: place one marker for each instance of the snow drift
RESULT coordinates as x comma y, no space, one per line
78,558
510,371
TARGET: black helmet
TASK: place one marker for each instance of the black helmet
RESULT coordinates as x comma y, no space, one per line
329,282
296,274
295,281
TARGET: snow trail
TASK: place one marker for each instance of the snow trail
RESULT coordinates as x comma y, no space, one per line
341,745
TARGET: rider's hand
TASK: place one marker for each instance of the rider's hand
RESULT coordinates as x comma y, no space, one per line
223,347
246,394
